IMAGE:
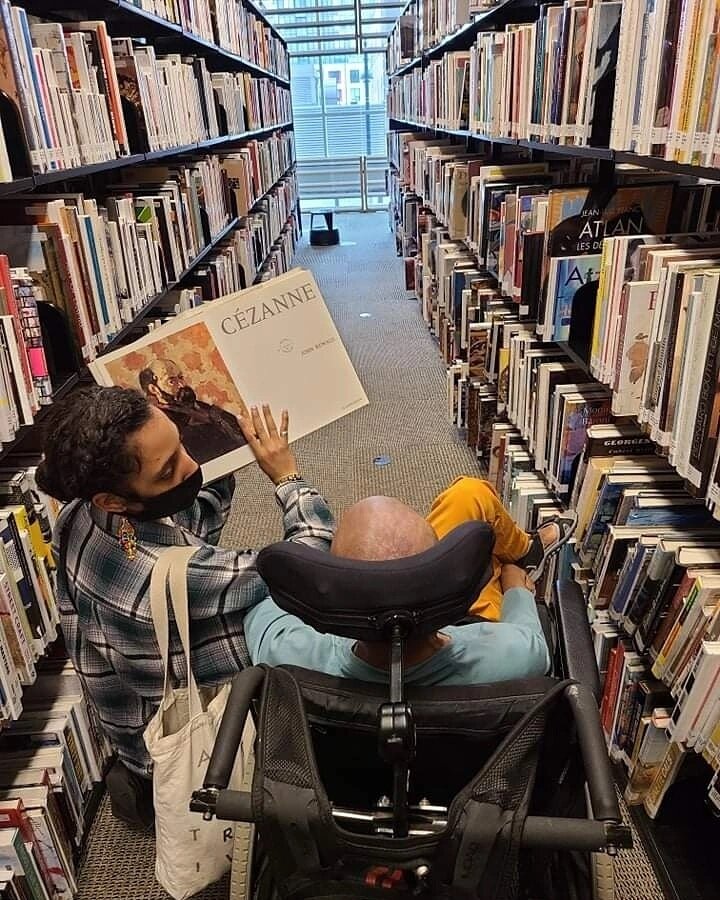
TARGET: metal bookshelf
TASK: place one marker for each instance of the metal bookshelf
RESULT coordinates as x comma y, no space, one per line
681,841
21,185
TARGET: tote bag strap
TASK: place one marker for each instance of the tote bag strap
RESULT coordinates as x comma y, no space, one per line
173,563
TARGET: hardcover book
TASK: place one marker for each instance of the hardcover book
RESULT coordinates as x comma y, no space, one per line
274,343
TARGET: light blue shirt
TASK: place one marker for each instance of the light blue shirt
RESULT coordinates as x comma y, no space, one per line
481,653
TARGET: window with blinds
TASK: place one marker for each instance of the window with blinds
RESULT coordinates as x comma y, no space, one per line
338,80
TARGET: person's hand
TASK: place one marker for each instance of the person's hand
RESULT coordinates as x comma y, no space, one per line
269,445
512,576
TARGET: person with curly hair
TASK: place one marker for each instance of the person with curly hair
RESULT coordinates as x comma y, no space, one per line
131,490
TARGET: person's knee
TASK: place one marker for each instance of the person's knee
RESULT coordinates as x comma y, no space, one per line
472,492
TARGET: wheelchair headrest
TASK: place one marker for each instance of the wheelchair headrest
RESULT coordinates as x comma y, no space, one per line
360,600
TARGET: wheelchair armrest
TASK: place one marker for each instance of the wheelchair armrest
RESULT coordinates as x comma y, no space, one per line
575,639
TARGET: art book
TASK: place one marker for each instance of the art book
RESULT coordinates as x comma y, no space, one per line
570,276
273,343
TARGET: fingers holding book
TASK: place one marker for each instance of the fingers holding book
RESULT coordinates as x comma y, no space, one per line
268,443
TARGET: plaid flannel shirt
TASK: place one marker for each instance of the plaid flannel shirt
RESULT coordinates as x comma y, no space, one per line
104,602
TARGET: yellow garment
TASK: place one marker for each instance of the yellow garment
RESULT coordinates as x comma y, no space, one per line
470,499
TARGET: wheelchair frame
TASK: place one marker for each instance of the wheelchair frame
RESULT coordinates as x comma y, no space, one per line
602,832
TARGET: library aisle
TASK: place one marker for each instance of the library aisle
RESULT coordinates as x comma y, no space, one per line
401,444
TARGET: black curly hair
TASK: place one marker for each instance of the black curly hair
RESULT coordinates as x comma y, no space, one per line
86,442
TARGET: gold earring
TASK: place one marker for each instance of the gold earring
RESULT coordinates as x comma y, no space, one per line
128,538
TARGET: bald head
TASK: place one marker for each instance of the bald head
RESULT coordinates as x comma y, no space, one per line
380,528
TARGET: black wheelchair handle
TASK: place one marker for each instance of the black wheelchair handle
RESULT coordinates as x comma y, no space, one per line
245,687
234,806
603,796
539,832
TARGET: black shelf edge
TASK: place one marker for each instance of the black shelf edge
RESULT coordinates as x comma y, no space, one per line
666,165
125,11
22,185
406,67
619,157
60,389
17,186
568,149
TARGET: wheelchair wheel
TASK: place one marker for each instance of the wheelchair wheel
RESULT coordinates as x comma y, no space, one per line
602,869
241,876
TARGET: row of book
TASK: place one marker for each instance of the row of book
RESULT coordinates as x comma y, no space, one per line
260,246
404,40
655,343
75,273
50,764
539,423
83,97
52,754
535,227
640,76
645,548
425,23
648,555
232,25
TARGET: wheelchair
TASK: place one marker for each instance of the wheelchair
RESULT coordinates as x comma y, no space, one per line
363,790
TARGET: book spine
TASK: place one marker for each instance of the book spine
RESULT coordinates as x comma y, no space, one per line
701,440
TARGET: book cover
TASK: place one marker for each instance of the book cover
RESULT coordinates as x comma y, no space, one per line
273,343
578,415
571,277
602,74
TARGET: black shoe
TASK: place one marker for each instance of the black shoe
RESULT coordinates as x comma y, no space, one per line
131,796
537,556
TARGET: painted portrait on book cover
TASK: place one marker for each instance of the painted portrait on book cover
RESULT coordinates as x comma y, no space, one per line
185,376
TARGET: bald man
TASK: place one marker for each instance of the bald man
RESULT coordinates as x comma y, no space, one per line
207,431
381,528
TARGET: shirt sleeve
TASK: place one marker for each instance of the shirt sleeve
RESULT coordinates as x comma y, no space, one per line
208,514
224,581
519,609
277,638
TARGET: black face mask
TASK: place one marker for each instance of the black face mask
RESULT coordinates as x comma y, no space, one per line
172,501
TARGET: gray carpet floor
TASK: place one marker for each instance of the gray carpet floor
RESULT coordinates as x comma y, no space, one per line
400,445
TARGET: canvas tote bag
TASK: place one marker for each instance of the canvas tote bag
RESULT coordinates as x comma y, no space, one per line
190,852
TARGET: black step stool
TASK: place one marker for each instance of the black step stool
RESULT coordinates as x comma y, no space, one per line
327,236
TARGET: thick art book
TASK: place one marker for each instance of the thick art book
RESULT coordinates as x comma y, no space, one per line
273,343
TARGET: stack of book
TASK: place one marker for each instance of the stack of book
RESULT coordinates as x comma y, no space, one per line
648,554
440,18
668,69
261,246
83,97
635,76
241,30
